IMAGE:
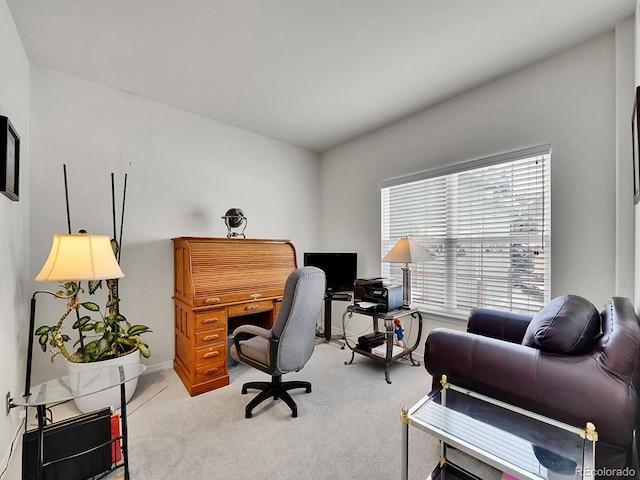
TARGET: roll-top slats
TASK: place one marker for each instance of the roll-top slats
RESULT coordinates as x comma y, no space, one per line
226,270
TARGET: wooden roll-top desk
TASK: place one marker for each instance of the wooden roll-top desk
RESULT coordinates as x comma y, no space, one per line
221,283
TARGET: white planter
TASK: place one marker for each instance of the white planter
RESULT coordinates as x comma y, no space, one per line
110,397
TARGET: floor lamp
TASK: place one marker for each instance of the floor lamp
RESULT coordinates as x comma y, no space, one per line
407,251
72,258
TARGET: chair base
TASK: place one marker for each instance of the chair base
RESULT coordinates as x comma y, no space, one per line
276,389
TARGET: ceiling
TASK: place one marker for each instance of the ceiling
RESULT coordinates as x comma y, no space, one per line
312,73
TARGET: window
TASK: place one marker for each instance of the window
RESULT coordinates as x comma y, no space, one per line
487,223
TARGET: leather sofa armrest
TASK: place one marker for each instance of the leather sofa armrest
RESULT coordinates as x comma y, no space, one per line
503,325
573,389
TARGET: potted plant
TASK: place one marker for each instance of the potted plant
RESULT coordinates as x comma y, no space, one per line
103,335
104,338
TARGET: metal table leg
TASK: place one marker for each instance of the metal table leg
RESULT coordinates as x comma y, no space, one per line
123,417
404,418
42,411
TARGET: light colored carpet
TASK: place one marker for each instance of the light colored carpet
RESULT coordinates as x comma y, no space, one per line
348,427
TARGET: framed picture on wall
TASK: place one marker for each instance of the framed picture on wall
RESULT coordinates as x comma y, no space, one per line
9,160
635,121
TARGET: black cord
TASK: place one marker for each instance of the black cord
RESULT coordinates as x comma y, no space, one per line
124,196
66,196
48,418
13,442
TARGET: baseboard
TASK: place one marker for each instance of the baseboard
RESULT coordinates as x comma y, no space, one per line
158,367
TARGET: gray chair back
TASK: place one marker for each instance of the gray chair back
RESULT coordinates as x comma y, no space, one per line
295,324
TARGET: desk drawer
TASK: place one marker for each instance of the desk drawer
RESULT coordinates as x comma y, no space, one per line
211,370
212,318
251,307
212,335
211,354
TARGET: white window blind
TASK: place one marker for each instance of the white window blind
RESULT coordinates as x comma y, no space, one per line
487,223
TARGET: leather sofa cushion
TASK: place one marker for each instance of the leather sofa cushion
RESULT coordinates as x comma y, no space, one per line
568,324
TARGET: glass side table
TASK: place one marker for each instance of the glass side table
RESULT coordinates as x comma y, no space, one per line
521,443
388,317
63,389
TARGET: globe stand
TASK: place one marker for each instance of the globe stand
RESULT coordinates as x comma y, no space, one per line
231,234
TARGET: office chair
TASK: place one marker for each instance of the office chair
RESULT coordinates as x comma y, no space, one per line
289,344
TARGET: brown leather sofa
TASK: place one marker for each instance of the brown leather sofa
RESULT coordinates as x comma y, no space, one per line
599,383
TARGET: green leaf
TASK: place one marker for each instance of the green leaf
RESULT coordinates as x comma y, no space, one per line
138,329
70,287
43,342
144,350
102,346
81,321
91,306
115,247
43,330
100,327
87,327
113,302
94,285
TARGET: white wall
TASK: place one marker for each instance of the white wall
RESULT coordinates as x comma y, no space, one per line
567,100
14,226
184,172
625,218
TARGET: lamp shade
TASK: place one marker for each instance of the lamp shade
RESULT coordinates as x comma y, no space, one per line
80,257
407,250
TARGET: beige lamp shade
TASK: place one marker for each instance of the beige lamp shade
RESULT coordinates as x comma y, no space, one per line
407,250
80,257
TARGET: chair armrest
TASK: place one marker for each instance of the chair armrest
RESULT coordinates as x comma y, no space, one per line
574,389
248,331
504,325
243,335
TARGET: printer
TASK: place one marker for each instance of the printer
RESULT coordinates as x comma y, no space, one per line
379,291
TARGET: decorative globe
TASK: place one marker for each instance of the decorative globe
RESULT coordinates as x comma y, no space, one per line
234,217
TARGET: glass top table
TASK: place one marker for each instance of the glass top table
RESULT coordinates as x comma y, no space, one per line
70,387
521,443
77,385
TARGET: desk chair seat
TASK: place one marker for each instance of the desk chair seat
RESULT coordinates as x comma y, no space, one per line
289,344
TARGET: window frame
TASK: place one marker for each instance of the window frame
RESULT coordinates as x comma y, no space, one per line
447,308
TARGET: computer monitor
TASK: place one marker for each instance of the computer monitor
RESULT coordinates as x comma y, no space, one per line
339,268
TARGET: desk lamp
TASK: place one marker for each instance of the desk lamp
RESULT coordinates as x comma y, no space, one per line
407,251
72,258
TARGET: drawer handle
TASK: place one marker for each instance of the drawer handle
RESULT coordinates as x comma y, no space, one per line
211,371
211,320
251,307
211,354
255,295
212,300
208,338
